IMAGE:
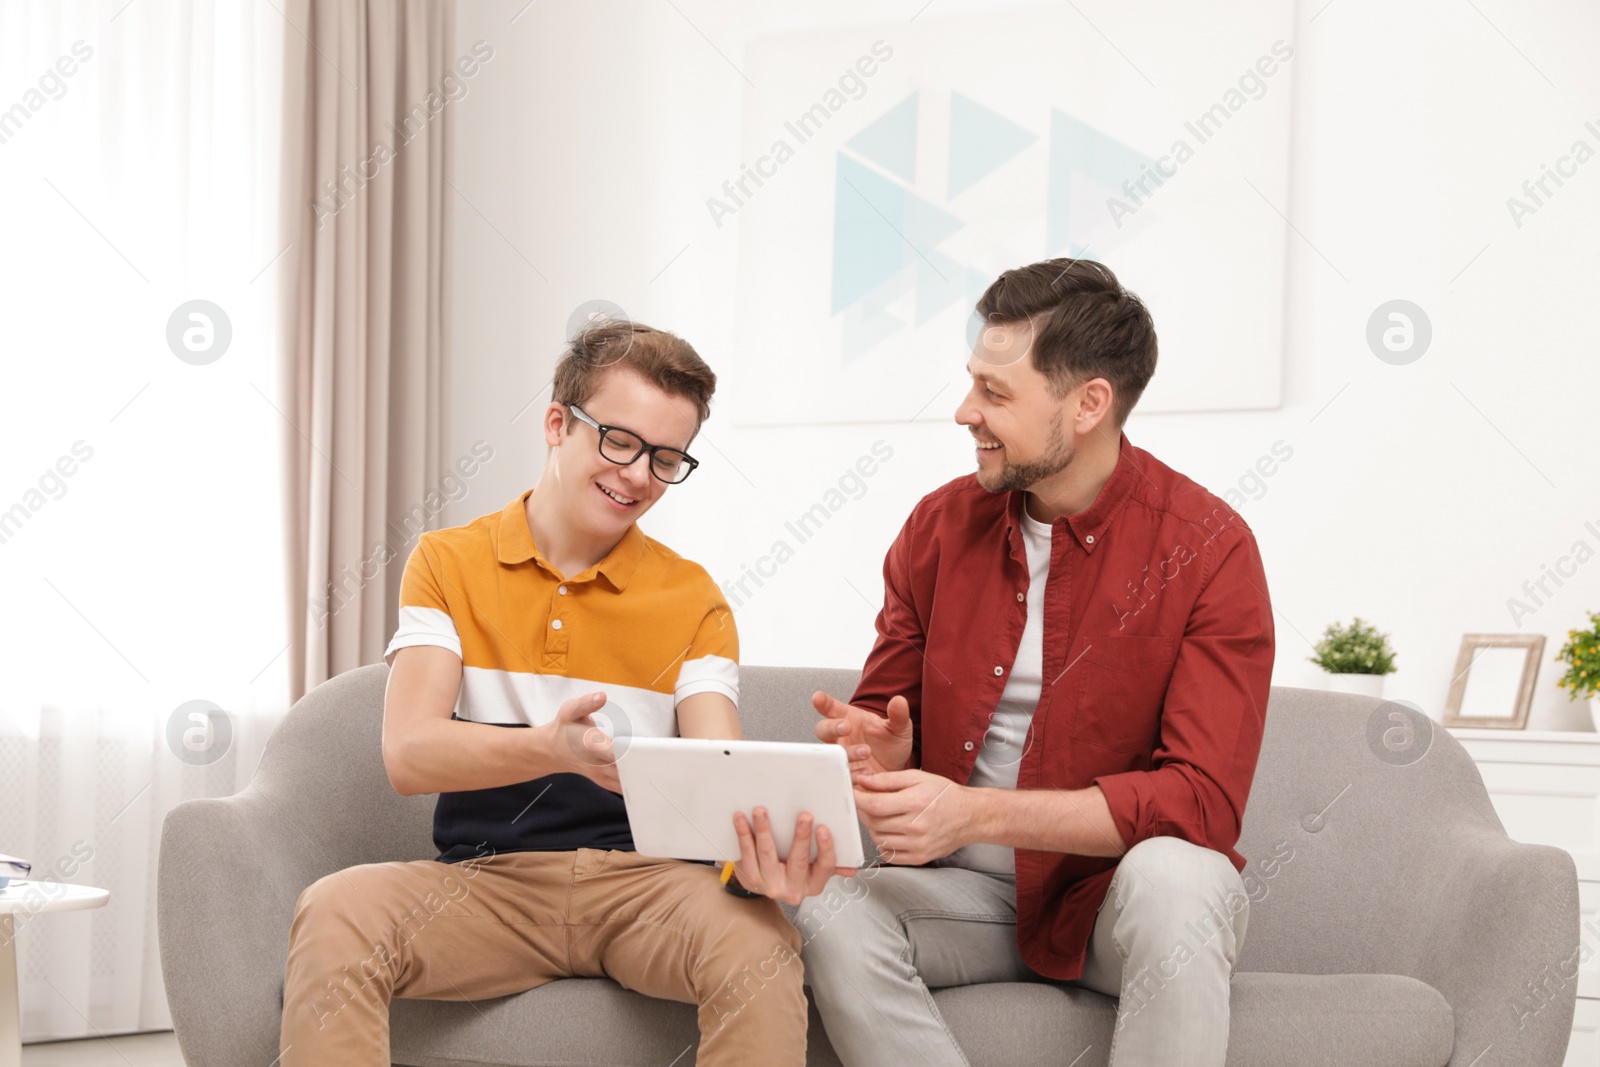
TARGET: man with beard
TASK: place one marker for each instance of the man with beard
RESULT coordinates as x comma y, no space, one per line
1055,733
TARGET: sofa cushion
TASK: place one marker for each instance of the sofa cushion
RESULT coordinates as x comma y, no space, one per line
1277,1019
1381,1020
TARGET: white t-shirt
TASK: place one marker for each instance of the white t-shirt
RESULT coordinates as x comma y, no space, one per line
1007,737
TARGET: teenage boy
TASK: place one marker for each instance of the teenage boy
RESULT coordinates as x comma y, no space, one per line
518,633
1057,727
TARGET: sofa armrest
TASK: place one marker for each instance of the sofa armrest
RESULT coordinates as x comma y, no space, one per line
1500,940
232,869
230,872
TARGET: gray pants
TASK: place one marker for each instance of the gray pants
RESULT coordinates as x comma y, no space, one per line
1165,943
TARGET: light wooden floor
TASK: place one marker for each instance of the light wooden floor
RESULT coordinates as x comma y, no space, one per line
134,1050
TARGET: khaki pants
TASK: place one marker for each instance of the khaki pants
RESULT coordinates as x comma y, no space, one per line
505,923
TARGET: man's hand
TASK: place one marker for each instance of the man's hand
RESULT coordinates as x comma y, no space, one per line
576,745
761,871
873,743
914,816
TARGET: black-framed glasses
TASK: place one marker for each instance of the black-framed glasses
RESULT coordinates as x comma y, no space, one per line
622,447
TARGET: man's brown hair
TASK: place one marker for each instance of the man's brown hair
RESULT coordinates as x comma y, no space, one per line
665,360
1085,325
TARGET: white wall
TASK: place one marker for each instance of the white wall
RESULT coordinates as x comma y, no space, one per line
1421,497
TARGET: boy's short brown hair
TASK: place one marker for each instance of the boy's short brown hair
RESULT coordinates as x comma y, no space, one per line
665,360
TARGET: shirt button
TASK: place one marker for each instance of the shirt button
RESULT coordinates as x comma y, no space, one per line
1089,539
998,671
562,590
967,746
1020,598
556,625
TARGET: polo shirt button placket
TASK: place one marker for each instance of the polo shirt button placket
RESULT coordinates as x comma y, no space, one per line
556,646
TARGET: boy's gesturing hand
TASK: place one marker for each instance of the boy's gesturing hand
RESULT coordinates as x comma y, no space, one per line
579,746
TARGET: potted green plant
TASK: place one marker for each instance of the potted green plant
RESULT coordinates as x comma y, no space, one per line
1355,658
1581,654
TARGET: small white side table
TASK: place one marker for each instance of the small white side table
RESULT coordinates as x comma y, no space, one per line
29,898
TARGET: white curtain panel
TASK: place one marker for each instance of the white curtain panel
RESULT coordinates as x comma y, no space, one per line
140,532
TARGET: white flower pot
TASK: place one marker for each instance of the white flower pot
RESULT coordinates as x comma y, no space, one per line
1594,712
1367,685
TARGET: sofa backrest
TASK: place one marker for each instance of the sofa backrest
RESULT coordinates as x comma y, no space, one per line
775,702
324,763
1343,837
323,770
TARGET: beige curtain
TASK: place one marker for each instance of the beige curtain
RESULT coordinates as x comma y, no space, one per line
365,313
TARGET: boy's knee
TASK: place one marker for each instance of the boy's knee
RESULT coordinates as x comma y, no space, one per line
753,968
757,927
349,911
335,900
321,904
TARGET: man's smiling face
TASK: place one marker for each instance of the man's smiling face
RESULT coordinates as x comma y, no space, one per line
1014,418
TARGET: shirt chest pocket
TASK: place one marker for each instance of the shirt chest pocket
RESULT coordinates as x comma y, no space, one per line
1121,686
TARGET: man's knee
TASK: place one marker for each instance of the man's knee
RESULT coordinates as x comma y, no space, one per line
1181,887
1173,867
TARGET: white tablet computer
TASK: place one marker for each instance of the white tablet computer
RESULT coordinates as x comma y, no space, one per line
681,793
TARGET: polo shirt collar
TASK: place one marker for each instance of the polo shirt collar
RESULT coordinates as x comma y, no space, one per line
516,540
517,546
622,560
1095,521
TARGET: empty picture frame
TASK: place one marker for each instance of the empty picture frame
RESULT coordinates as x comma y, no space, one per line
1493,683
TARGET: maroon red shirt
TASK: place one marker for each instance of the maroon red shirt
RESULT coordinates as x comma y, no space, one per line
1158,647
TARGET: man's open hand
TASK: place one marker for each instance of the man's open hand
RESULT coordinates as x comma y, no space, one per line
873,743
761,871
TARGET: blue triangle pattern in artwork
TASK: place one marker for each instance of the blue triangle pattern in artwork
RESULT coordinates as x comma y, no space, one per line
891,140
980,141
1077,148
865,325
876,223
941,281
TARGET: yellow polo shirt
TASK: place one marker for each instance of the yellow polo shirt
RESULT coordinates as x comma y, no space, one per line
644,625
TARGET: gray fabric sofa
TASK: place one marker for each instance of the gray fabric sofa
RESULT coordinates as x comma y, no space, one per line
1404,929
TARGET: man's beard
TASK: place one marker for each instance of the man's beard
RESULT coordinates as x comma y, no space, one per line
1021,476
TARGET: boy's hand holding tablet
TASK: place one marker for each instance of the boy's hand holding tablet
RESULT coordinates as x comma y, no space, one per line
680,791
688,798
791,880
